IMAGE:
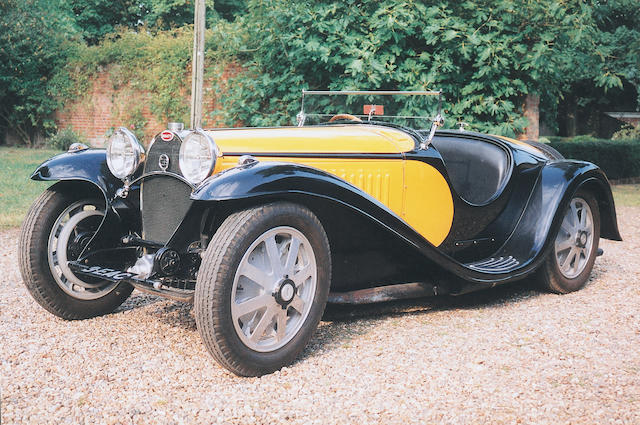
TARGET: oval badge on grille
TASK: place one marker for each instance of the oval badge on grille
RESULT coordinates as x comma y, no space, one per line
163,162
166,135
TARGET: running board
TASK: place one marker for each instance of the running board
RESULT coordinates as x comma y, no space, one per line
379,294
495,264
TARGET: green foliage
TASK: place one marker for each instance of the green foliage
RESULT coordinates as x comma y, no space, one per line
63,139
166,14
627,133
34,40
144,68
485,55
97,18
618,159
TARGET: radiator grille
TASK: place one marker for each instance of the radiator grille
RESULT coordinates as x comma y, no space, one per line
164,197
165,201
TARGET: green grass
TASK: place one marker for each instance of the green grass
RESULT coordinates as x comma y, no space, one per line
627,195
17,191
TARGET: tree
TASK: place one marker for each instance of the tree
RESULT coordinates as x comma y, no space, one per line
486,55
34,42
603,73
97,18
164,14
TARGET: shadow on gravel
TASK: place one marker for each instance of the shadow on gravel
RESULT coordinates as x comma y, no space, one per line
342,323
138,300
494,297
176,314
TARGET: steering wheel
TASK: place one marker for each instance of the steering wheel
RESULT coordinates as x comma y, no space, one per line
344,117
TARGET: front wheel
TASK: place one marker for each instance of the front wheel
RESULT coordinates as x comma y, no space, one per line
569,265
59,225
262,287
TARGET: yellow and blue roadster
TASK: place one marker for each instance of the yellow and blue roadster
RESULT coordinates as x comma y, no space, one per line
261,227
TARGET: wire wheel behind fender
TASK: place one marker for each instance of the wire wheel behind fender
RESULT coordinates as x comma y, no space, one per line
262,287
57,228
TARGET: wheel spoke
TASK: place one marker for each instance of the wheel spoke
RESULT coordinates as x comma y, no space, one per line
567,261
294,248
256,275
265,320
565,244
274,255
574,215
583,218
297,304
566,226
253,304
587,224
281,324
302,275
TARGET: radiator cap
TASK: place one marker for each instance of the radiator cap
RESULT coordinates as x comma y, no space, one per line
175,126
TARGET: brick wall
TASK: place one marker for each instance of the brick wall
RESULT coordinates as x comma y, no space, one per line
102,108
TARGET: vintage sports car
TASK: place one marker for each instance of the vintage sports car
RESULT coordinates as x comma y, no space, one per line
260,227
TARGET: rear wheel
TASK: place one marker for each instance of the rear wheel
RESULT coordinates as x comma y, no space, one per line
262,287
56,229
569,265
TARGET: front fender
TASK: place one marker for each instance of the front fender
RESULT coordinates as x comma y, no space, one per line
269,179
89,166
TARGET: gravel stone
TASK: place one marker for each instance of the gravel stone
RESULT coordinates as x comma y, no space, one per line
512,354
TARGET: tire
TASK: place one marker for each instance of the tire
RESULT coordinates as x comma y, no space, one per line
43,268
560,273
291,291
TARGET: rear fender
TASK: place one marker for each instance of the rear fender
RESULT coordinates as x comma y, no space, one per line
535,232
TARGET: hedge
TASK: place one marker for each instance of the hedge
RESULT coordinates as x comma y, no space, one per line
618,159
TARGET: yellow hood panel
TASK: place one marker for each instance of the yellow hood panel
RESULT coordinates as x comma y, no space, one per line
321,139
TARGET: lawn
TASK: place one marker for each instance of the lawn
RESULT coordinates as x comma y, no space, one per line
17,191
627,194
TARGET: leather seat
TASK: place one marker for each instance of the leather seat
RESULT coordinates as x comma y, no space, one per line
478,170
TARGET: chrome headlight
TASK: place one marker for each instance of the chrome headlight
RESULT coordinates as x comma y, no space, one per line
198,154
124,153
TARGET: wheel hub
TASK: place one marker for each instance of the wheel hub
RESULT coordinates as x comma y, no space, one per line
581,239
79,243
285,291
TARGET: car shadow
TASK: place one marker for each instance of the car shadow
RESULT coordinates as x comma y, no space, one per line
138,300
342,323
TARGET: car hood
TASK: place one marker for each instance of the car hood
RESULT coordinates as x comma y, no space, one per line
360,139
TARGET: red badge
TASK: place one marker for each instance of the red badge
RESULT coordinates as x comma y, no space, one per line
374,109
166,136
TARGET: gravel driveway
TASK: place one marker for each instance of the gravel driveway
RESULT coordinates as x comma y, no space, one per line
507,355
